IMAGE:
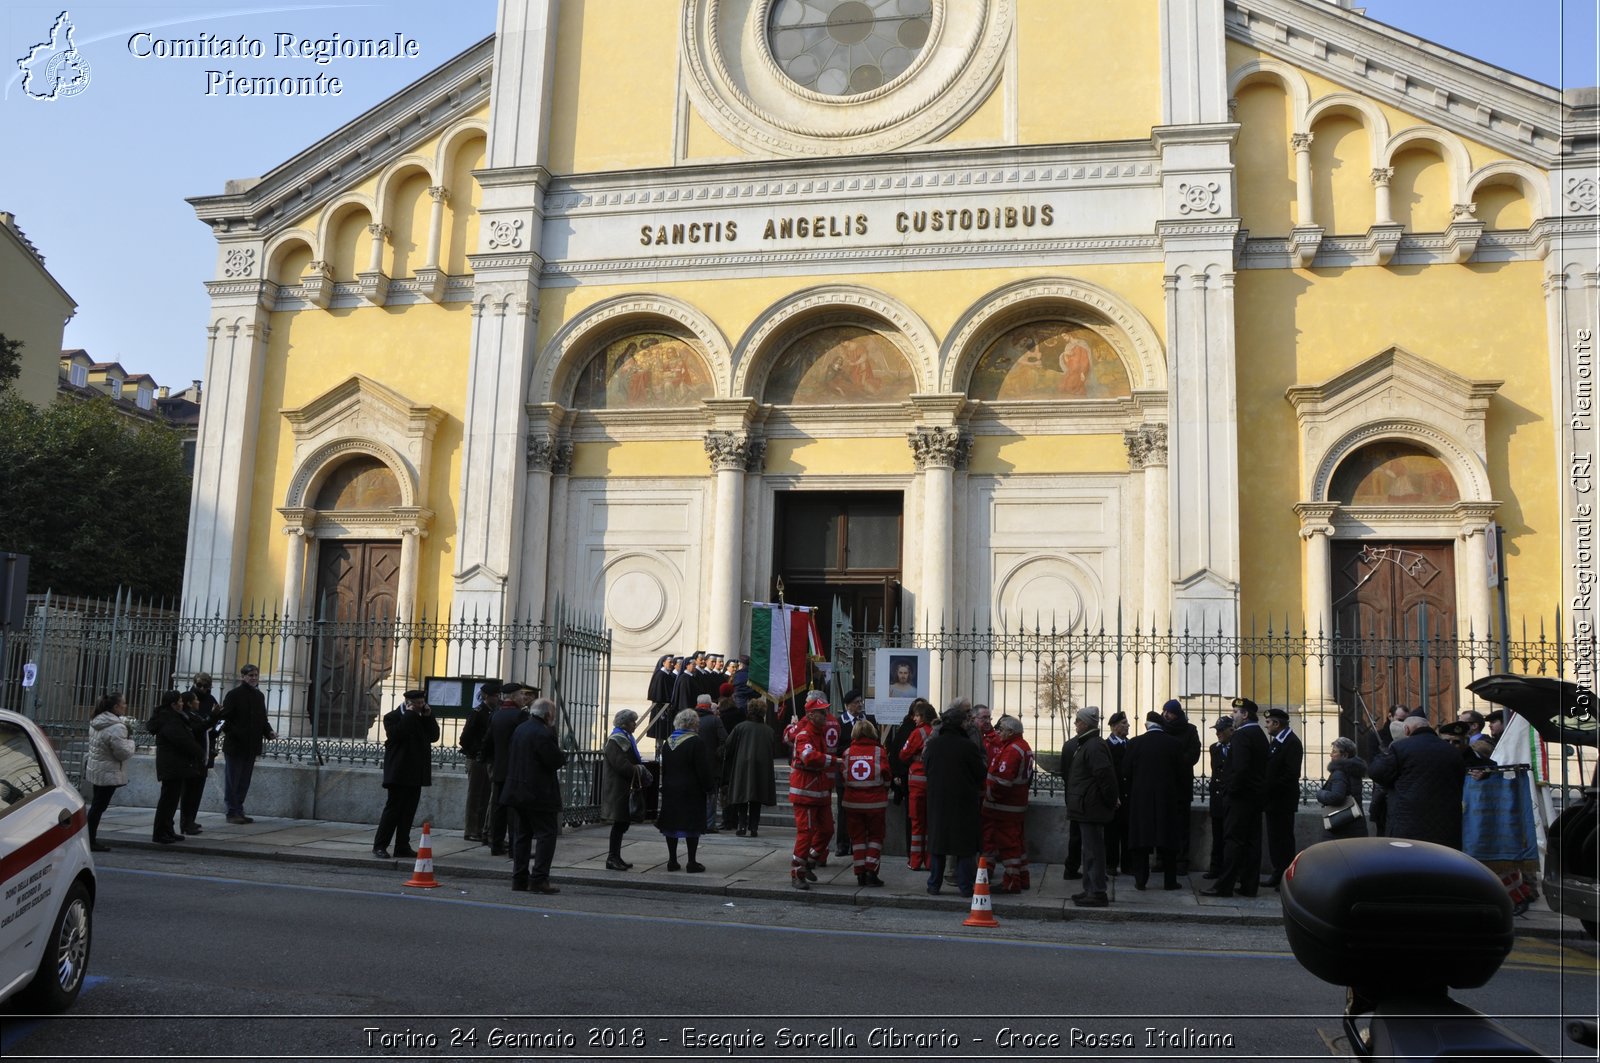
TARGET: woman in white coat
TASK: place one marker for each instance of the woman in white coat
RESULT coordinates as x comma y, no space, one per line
110,747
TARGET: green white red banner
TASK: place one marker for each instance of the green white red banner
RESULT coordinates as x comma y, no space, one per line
783,639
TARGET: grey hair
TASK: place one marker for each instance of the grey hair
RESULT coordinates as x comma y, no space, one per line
543,708
1089,714
687,720
625,719
963,705
1345,747
1009,725
1415,723
955,715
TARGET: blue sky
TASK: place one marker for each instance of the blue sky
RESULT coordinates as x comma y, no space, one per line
98,181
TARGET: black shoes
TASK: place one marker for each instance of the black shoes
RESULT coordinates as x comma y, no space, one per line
166,837
1070,875
381,854
741,832
542,886
673,865
405,854
519,885
1092,900
193,828
695,867
798,881
614,863
1216,891
1270,882
868,878
498,850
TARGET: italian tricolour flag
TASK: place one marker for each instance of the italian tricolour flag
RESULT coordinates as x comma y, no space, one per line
783,638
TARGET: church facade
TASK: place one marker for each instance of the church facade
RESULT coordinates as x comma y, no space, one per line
1050,311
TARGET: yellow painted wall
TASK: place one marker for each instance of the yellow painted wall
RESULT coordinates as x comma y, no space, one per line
33,311
461,213
1006,455
1304,327
1265,160
1092,70
420,352
1342,197
1503,207
652,458
615,85
816,457
290,263
408,223
703,142
1419,193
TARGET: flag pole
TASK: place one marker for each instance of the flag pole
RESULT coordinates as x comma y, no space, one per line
788,661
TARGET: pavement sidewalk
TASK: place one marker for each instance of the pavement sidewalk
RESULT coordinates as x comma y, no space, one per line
735,867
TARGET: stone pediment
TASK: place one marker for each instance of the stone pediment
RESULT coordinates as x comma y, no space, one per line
355,151
1515,115
362,416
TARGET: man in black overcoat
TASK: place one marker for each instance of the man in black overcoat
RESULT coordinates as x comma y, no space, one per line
1247,794
1219,793
409,733
1283,793
1424,774
513,710
533,789
1158,814
956,773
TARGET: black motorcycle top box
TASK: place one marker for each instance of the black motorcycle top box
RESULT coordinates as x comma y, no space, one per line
1386,914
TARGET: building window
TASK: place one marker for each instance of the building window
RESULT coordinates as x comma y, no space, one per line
79,375
142,398
847,47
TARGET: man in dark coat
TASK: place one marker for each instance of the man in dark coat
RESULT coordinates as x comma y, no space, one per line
409,734
533,789
1177,722
1158,811
1093,795
1424,774
474,736
1119,857
513,711
1284,760
1219,793
1247,793
956,772
244,729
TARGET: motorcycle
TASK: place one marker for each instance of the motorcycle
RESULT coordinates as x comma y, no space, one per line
1384,918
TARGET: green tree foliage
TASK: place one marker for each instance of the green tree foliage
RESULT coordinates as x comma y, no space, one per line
10,361
97,499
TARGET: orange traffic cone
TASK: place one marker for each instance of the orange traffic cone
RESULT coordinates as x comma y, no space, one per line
982,908
422,877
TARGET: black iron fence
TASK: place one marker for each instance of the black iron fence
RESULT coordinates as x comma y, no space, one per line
1333,685
327,682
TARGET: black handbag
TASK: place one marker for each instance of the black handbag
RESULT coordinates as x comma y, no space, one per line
1342,817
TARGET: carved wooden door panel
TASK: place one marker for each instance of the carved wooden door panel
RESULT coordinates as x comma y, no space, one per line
1395,614
357,585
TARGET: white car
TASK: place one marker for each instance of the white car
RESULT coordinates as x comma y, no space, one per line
47,883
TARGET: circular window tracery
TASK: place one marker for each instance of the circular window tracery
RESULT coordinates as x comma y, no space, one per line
847,47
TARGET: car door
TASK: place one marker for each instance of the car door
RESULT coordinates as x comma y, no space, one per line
39,817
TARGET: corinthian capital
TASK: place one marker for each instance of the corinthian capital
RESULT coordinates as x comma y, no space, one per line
939,447
546,452
733,450
1147,446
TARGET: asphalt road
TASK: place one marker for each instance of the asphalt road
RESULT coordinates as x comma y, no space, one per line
206,958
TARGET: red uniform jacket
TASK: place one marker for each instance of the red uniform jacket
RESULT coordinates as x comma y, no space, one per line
1010,772
911,753
812,767
866,775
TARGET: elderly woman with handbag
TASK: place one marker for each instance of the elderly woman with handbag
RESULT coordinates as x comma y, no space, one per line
622,784
1340,796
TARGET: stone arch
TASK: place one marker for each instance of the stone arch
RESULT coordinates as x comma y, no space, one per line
1127,330
1451,150
281,246
763,341
1292,81
392,176
1352,106
1466,467
334,213
1534,187
452,140
558,364
313,470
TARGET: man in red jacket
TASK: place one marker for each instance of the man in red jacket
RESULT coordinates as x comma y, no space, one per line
866,796
811,772
1005,803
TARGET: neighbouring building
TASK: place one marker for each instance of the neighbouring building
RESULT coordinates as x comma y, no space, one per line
34,309
1196,310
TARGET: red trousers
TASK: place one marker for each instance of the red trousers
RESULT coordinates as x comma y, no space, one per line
1002,838
813,833
917,806
865,827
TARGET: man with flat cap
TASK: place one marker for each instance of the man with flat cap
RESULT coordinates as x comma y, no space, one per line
1248,750
1284,760
1219,793
409,733
514,701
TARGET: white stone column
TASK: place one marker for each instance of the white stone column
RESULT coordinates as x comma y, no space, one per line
225,447
1382,210
1302,179
937,452
379,233
731,456
1475,563
440,195
1316,530
544,450
1194,74
294,569
405,606
1147,456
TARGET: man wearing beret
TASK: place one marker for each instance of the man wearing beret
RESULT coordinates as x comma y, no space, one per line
409,733
1283,793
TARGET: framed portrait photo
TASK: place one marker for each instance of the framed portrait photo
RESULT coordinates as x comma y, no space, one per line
900,674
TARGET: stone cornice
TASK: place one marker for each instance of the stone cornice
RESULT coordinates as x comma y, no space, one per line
1515,115
355,150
